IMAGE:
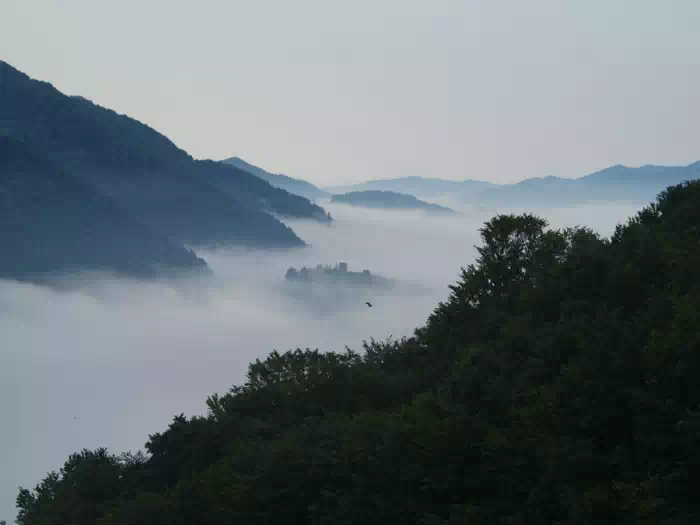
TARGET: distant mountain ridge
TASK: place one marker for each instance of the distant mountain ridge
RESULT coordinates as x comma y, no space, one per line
416,186
290,184
614,184
140,171
389,200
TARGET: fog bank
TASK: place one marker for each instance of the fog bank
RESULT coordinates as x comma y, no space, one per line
113,361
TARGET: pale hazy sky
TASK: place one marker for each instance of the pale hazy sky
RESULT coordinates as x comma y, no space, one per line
339,92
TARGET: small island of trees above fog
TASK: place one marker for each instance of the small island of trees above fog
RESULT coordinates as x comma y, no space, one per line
389,200
337,274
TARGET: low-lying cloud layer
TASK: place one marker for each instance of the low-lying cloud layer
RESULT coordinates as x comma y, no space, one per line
113,361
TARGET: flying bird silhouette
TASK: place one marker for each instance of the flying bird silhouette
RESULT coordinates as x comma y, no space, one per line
369,304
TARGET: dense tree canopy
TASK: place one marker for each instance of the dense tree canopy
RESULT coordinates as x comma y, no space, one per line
557,384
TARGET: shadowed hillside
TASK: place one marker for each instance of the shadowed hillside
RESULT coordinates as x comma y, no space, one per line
52,222
196,202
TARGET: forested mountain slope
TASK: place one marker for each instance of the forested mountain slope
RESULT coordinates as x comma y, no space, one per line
52,222
196,202
557,384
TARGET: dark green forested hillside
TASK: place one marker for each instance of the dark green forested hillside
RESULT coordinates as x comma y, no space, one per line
558,384
196,202
53,222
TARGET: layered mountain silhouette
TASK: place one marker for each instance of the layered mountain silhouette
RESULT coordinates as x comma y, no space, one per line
614,184
290,184
389,200
423,187
51,222
94,155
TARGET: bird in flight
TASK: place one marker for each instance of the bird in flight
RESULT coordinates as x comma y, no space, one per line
369,304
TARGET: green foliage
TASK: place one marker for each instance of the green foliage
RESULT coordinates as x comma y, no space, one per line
556,384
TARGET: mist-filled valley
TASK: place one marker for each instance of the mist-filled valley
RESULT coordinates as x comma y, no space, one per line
102,361
352,263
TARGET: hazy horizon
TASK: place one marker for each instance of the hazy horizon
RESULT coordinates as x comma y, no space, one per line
340,94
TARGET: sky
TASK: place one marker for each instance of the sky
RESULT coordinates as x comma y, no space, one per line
342,92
